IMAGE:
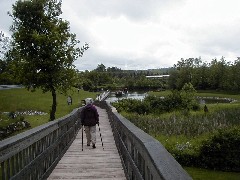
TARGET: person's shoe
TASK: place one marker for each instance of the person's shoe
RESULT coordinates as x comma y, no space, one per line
93,146
88,144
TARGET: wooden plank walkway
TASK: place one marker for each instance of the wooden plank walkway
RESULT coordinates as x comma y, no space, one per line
94,164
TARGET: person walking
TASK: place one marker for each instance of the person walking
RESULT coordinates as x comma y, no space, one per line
89,119
69,100
205,108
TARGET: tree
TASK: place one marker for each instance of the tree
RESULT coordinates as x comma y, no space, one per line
188,96
43,47
101,68
218,72
236,74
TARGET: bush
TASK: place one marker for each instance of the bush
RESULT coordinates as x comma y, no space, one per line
132,106
222,151
16,126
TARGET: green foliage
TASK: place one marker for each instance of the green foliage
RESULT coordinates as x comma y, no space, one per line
100,68
87,85
113,78
17,124
177,100
188,94
132,105
43,48
222,150
216,75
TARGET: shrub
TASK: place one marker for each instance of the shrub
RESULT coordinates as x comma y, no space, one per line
222,150
132,106
177,100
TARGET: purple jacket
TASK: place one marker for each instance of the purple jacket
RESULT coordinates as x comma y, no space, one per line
89,115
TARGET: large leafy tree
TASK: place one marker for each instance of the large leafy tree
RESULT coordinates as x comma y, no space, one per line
44,49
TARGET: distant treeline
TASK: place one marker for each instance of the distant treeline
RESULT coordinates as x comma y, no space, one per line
216,75
115,78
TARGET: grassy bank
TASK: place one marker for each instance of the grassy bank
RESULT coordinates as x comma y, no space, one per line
204,174
21,100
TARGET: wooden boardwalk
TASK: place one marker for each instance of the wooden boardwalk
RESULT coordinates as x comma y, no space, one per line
94,164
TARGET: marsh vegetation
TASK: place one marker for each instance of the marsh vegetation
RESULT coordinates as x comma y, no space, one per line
196,138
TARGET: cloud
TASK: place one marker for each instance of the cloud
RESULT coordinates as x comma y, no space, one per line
6,20
140,34
135,10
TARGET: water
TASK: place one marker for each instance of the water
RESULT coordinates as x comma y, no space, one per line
3,87
130,95
214,100
142,95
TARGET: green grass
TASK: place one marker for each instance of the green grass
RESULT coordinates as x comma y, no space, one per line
204,174
22,100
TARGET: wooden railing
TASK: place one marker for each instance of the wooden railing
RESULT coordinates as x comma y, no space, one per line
143,156
33,154
103,96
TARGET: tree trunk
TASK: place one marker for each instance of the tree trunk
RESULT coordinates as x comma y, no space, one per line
54,105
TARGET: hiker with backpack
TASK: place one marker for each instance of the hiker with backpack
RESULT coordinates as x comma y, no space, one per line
89,119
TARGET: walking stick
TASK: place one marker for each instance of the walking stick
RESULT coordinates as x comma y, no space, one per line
100,136
82,137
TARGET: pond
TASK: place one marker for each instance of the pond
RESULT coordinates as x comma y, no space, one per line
214,100
141,95
130,95
5,87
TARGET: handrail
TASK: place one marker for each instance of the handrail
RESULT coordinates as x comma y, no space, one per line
103,96
143,156
34,154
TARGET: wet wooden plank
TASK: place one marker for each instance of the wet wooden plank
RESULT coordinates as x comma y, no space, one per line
94,164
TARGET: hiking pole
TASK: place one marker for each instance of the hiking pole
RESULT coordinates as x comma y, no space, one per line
82,137
100,136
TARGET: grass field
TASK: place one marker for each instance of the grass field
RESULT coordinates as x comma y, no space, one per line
21,100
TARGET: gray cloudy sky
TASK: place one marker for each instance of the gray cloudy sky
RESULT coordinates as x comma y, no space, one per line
146,34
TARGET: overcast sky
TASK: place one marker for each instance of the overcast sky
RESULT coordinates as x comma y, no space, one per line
149,34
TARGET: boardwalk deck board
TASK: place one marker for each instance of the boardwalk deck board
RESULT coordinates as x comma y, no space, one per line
94,164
